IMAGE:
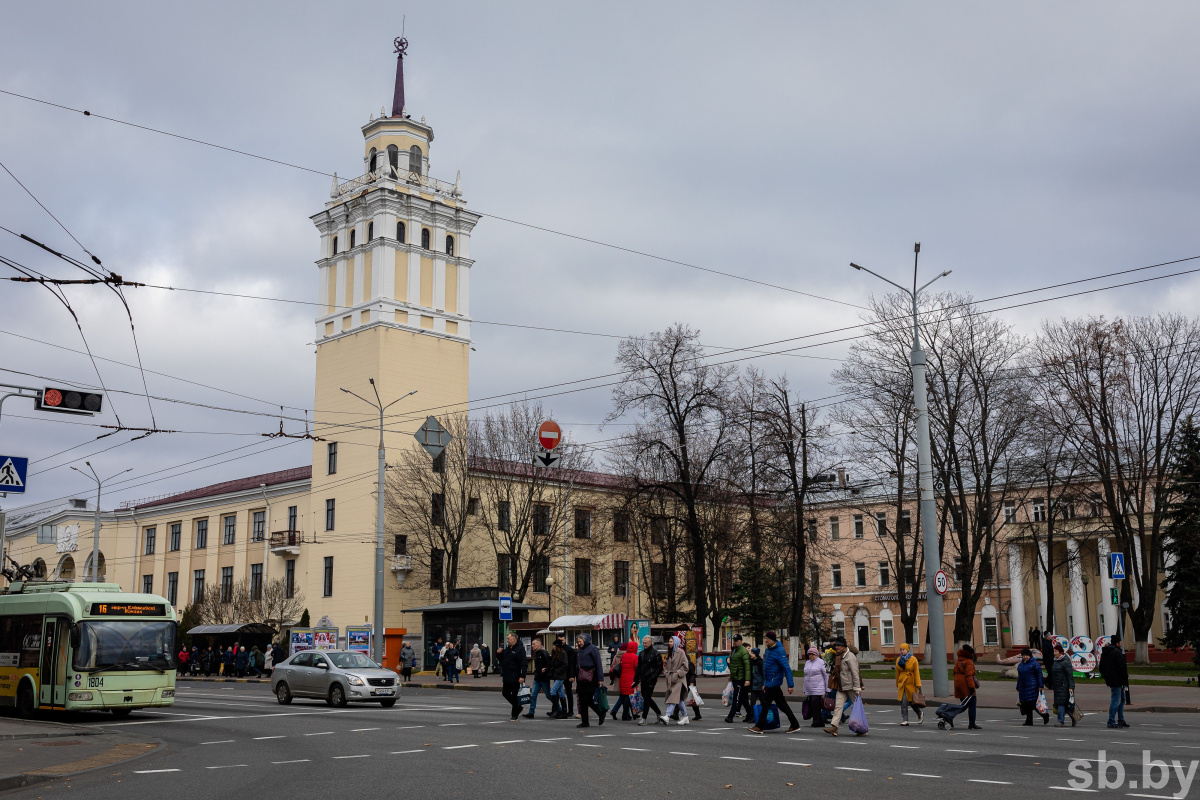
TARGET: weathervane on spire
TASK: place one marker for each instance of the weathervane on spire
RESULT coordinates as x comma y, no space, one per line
401,45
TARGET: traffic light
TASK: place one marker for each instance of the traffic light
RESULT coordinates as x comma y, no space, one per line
69,401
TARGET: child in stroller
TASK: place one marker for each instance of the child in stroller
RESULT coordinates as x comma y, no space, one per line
946,712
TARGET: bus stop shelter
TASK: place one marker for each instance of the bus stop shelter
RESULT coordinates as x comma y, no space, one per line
246,634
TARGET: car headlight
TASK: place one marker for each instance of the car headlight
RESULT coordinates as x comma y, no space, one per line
79,696
168,693
354,680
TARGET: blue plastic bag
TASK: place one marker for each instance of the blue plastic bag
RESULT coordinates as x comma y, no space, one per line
772,717
858,717
637,702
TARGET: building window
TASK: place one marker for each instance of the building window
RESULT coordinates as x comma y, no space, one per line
226,584
885,574
327,581
438,464
329,514
400,544
414,159
991,631
834,529
910,574
331,458
1010,511
393,157
860,573
201,534
506,572
197,585
889,632
353,236
541,520
583,576
437,510
293,515
658,579
658,531
905,523
256,581
289,578
370,231
473,506
835,576
620,527
839,628
1038,510
151,535
1065,509
258,528
504,515
173,588
147,584
812,530
620,578
449,245
583,523
371,160
814,577
334,248
230,529
541,573
436,569
175,536
958,569
400,232
881,524
858,526
425,238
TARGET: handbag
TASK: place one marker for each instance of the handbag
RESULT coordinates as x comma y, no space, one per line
976,680
918,700
828,703
1074,713
806,710
587,674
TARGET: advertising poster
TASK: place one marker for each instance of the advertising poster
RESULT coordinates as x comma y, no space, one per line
636,630
325,638
691,642
358,638
300,639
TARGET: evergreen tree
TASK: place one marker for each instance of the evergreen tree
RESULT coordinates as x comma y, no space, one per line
304,623
756,599
189,619
1181,541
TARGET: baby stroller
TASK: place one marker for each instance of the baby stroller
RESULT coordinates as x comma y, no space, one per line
946,712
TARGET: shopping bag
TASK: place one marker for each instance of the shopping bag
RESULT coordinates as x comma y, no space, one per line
602,698
694,697
828,702
458,664
727,695
1042,707
806,709
1073,710
772,715
524,695
636,702
918,700
858,717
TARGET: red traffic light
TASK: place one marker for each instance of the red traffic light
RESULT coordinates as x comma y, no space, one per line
70,401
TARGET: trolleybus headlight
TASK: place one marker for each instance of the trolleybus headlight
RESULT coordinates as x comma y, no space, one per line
79,696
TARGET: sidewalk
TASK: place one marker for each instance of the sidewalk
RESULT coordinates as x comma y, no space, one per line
40,750
879,691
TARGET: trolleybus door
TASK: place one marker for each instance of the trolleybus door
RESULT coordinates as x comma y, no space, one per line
54,662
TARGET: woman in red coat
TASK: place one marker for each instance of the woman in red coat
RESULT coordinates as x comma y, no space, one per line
628,672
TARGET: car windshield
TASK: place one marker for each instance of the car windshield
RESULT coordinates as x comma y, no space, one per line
351,661
135,645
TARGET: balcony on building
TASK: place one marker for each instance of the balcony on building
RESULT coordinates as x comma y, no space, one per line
286,543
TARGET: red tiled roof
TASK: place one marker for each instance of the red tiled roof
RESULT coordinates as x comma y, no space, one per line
239,485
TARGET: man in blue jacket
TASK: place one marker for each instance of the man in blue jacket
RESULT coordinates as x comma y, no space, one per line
775,669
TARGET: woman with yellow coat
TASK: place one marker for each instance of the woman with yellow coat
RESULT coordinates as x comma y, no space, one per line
908,683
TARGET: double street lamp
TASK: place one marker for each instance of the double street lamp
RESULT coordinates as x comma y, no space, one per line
928,506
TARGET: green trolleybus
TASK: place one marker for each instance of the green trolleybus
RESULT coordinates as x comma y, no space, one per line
85,647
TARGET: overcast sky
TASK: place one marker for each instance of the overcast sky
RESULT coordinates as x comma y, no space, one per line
1022,144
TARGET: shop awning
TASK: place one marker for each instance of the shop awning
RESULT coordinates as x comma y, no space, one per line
474,605
598,622
237,627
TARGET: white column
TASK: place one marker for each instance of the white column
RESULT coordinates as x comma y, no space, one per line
1075,577
1043,615
1016,596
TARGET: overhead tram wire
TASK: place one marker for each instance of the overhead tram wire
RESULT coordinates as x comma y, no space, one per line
544,229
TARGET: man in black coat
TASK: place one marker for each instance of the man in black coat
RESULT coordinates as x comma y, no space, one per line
1115,672
572,668
649,669
511,663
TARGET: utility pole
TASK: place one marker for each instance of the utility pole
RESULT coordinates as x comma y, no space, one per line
928,505
96,524
377,627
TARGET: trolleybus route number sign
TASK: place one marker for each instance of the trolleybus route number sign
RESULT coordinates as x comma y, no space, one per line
128,610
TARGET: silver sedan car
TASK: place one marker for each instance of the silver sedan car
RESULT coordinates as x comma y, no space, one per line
336,676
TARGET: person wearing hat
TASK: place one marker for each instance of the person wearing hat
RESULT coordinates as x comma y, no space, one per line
756,682
739,678
908,683
816,678
847,679
965,682
775,669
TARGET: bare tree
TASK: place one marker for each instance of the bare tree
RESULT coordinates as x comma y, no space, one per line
241,603
1120,390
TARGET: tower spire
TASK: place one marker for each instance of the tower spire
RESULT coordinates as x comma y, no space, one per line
398,98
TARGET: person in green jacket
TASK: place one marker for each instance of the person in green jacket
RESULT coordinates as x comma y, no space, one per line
739,676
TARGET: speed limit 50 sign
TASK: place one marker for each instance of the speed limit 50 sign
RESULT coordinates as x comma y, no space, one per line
940,582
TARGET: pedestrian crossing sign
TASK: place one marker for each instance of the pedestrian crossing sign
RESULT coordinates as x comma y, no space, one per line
12,474
1116,566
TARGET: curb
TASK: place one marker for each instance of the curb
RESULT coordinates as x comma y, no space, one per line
19,780
8,737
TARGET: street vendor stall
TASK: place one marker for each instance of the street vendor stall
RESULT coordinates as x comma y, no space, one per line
601,627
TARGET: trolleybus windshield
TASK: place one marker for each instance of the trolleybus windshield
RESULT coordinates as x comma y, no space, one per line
125,644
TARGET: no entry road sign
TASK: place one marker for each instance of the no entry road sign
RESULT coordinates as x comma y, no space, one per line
549,435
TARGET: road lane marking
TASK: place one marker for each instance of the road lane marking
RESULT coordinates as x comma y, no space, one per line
854,769
1014,736
1073,789
962,751
227,766
736,758
647,733
906,746
598,735
509,741
222,741
293,761
409,727
493,722
453,724
1021,755
1068,740
998,783
260,738
919,775
638,749
364,755
677,753
581,744
360,730
459,746
322,733
402,752
794,763
150,771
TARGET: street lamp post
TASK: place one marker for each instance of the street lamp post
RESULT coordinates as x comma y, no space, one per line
96,524
928,507
379,565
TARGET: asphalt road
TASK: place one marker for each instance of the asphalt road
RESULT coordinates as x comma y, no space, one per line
235,740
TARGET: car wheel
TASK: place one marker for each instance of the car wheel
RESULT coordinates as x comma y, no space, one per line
26,705
283,694
337,696
122,713
387,703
